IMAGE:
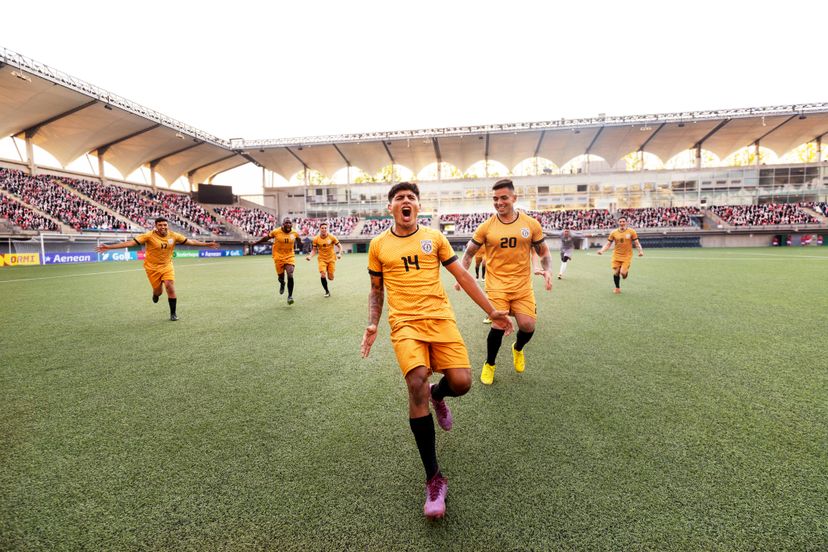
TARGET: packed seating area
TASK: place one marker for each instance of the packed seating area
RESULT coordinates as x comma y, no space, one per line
373,227
42,192
191,210
21,216
592,219
763,215
338,226
464,223
254,222
138,206
660,217
820,207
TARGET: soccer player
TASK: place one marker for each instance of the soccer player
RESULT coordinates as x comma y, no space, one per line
509,236
623,238
324,245
159,245
567,248
405,260
285,240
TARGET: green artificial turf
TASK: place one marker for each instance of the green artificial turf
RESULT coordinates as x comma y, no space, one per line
689,412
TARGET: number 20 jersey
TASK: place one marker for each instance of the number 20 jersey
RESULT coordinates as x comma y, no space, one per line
410,270
508,246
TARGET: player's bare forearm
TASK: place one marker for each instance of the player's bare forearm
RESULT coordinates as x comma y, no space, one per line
640,249
464,278
197,243
120,245
376,297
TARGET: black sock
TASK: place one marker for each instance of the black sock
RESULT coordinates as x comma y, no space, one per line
522,339
493,341
325,284
290,286
617,279
443,390
477,272
282,279
423,430
483,270
172,305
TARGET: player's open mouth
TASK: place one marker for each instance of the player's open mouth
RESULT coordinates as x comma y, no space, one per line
406,212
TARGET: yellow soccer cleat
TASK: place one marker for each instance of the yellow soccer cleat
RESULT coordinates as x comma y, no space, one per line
519,359
487,375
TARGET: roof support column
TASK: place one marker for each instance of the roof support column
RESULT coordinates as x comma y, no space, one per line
698,156
819,149
30,154
152,178
756,152
190,182
264,181
101,172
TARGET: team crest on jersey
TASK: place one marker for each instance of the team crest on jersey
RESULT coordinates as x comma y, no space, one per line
524,232
427,246
170,241
628,236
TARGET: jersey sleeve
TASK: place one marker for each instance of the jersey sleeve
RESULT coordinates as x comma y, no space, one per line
179,238
445,253
611,237
374,263
315,242
273,233
479,237
335,240
537,231
142,239
633,234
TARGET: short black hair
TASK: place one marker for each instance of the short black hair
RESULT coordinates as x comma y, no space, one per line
321,224
160,219
403,186
503,183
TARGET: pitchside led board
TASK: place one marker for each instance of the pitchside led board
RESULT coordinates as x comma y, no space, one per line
29,259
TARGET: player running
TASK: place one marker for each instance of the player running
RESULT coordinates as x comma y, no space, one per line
623,238
324,245
567,249
405,260
509,236
284,240
159,245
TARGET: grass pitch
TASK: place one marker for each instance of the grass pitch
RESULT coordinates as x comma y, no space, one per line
690,412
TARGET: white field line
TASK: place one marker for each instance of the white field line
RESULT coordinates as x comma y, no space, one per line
108,272
768,258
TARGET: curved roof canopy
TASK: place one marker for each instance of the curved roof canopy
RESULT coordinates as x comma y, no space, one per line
68,118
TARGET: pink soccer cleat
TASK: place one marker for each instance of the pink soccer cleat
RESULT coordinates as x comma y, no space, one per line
436,491
444,419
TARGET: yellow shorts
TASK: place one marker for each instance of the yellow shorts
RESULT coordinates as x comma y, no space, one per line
623,264
281,263
327,266
156,275
516,302
435,344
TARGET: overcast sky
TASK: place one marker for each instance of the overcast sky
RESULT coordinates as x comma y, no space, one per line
285,69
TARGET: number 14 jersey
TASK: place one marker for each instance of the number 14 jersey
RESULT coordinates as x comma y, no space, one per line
410,270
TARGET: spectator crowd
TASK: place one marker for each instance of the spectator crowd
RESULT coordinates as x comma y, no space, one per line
372,227
763,215
21,216
660,217
253,222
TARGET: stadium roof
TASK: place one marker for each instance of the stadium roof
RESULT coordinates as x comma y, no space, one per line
68,118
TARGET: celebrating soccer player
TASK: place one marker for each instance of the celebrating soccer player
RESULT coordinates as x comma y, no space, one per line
567,248
509,236
284,241
623,238
159,244
324,245
405,260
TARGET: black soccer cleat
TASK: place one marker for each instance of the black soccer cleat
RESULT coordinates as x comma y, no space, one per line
155,298
173,318
281,288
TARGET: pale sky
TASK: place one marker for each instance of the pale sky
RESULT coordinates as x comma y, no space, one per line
287,69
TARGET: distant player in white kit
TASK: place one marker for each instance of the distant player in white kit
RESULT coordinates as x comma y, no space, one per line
567,248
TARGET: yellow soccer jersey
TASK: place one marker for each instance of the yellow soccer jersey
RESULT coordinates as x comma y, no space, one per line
325,247
283,244
159,250
623,242
410,270
508,246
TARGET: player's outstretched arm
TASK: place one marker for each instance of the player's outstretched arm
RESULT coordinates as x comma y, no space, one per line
105,247
471,249
263,239
338,248
211,245
546,263
640,249
376,297
604,249
500,319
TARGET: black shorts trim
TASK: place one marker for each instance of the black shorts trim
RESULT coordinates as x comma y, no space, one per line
373,273
450,260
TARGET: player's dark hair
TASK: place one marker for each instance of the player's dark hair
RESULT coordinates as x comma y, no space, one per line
396,188
323,224
160,219
503,183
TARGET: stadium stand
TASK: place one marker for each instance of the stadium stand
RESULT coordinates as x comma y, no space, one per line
592,219
763,215
189,209
253,222
660,217
373,227
137,206
820,207
338,226
41,192
24,218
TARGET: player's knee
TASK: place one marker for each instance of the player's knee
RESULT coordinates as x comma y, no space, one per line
527,327
417,382
330,276
461,382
